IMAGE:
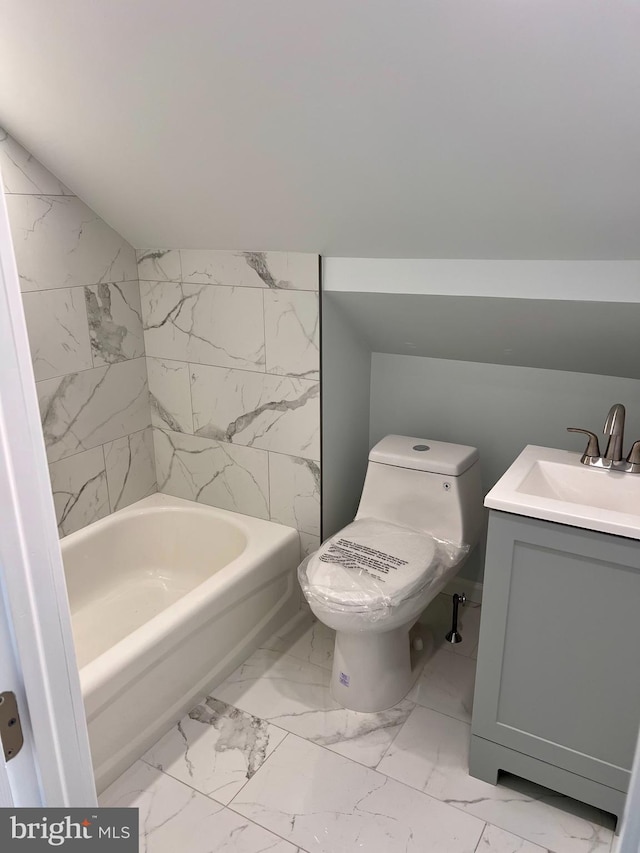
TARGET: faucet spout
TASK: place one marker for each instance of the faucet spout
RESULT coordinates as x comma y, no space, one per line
614,428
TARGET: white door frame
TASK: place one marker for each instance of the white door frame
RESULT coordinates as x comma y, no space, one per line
37,657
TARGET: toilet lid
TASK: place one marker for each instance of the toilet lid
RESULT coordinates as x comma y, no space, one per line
371,563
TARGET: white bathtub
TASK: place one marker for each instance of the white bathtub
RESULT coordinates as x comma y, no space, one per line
167,597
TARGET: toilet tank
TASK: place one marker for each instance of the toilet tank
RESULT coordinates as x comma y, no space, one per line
429,485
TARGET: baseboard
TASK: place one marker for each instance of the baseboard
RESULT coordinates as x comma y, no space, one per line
472,589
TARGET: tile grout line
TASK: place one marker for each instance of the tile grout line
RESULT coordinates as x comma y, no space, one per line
488,824
262,373
76,286
236,444
190,381
273,751
47,195
425,793
106,477
271,722
263,288
372,770
395,737
229,804
264,333
477,847
87,369
211,797
95,446
244,817
354,762
366,767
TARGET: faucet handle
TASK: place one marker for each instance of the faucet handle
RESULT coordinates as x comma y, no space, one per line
593,448
634,453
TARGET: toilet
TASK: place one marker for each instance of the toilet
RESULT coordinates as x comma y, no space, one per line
419,516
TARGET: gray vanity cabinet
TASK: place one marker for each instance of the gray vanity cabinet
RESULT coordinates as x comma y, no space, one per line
557,697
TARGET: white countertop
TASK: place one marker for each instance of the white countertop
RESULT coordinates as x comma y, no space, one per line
553,485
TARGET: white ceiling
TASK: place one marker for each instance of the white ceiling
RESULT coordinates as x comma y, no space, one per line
385,128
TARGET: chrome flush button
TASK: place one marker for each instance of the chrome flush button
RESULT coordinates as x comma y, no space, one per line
421,447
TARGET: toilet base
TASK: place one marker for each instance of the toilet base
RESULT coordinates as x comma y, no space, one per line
372,671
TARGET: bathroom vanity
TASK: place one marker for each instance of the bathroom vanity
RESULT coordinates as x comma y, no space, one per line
557,697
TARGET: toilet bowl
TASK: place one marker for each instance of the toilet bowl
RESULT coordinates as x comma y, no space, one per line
419,515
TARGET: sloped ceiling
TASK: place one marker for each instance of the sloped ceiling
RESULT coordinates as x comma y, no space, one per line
386,128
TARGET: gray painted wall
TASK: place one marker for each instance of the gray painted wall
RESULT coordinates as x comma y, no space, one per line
345,373
553,334
497,408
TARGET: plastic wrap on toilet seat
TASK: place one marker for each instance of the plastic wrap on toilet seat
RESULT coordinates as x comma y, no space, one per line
371,566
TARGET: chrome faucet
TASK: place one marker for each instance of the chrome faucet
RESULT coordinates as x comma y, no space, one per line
614,428
612,459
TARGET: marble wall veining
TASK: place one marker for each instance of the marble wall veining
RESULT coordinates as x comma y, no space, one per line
192,372
81,298
232,348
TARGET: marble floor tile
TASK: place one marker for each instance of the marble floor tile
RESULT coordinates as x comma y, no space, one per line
310,640
324,802
294,695
174,817
495,840
431,754
446,684
555,823
215,749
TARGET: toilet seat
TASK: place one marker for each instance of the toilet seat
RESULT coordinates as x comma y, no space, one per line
372,565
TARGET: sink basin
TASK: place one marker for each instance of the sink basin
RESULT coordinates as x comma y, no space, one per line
553,485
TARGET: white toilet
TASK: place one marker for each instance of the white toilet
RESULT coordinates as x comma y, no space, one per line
419,516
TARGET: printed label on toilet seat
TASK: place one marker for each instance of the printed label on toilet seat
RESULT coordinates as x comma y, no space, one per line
361,558
345,679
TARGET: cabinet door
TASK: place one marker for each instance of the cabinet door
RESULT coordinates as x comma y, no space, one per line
559,656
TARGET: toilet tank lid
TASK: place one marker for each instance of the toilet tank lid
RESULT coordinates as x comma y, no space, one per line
423,454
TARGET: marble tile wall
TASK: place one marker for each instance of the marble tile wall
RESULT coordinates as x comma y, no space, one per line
82,306
232,346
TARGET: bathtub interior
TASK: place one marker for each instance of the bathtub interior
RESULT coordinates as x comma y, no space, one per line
131,567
